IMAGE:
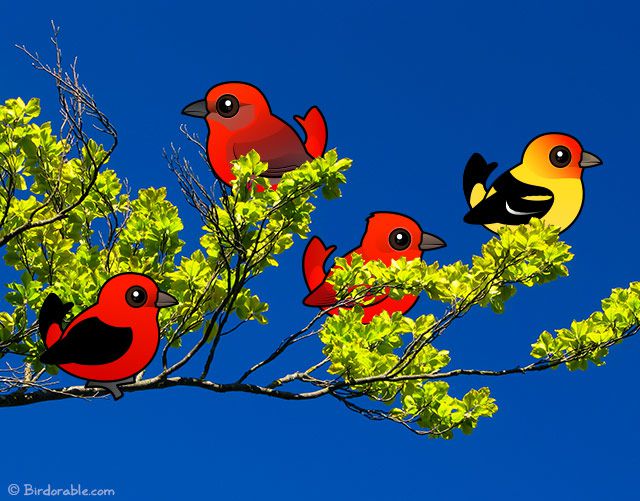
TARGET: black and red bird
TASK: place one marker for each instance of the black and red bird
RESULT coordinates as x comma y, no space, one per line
110,342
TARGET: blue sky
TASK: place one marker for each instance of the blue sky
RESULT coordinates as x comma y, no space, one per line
409,90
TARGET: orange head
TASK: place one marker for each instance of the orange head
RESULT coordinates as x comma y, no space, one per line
131,296
390,236
231,106
557,155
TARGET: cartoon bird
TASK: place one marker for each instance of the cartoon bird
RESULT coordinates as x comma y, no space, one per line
547,184
239,120
388,236
110,342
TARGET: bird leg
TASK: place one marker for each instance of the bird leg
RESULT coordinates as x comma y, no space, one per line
112,387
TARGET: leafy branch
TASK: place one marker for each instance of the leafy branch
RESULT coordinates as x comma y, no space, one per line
68,224
60,185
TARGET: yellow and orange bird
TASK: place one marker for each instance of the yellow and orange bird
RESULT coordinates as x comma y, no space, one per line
547,184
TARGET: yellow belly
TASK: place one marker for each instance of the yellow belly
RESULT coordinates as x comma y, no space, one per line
568,197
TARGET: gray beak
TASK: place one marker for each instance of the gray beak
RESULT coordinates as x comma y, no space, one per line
196,109
431,242
589,160
165,300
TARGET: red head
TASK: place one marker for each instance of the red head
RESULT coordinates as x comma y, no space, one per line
131,296
390,236
558,156
231,106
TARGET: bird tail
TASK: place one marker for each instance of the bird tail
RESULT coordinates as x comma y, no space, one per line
474,179
50,319
315,131
313,260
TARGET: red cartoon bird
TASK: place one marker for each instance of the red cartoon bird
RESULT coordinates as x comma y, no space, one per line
388,236
110,342
239,120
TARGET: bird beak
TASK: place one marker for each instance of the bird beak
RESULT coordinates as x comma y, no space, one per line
589,160
165,300
196,109
431,242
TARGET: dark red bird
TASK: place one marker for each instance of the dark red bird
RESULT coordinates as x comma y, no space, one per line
388,236
110,342
239,120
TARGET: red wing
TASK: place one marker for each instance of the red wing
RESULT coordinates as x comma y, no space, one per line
282,150
325,296
321,297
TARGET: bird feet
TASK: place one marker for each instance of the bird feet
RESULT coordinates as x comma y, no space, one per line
112,387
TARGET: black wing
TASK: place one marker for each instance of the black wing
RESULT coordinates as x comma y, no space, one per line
509,204
90,342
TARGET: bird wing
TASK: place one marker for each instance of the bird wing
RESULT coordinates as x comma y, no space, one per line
321,297
90,342
324,296
511,202
282,150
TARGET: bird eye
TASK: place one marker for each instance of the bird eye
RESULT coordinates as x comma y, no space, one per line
227,106
560,156
136,296
400,239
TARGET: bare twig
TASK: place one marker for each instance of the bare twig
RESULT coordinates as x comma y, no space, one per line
75,103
